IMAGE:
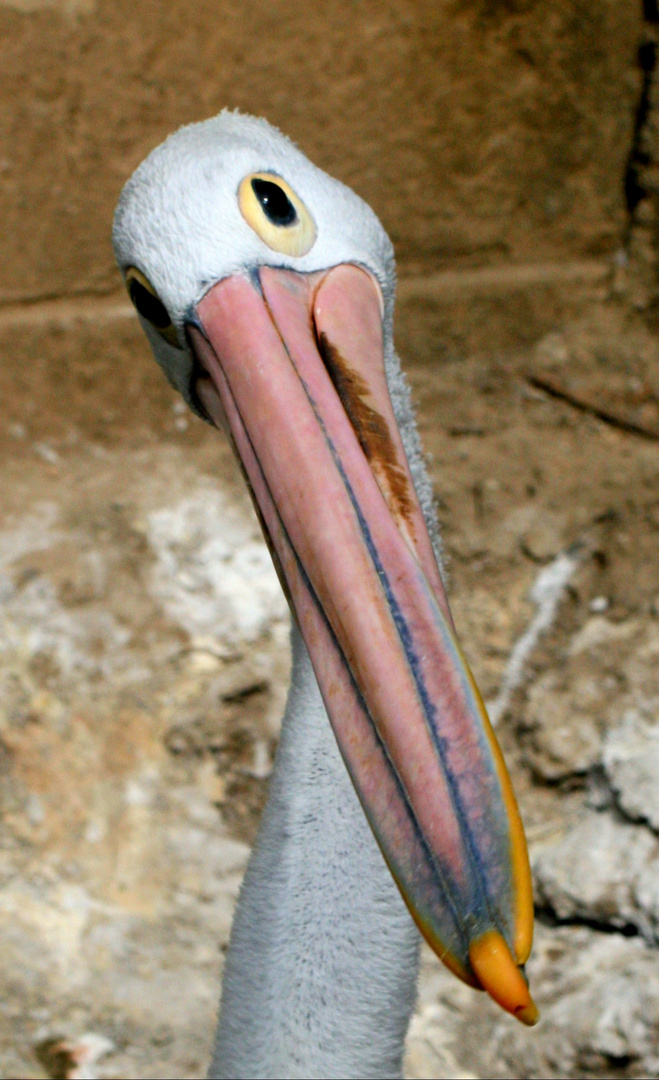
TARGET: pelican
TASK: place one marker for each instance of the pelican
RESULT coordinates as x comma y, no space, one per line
266,290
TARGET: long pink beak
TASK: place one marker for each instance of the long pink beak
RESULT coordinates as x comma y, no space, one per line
293,367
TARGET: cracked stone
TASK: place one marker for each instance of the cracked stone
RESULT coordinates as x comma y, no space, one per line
603,871
562,735
631,763
571,709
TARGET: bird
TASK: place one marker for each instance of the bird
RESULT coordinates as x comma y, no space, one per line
266,290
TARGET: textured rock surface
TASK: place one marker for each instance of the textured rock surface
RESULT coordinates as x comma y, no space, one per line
603,871
143,665
600,1015
631,761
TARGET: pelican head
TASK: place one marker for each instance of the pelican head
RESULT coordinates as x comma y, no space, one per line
266,289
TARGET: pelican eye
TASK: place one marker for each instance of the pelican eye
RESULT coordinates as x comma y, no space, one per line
276,204
276,214
149,305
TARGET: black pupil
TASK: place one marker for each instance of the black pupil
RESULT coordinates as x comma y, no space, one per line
149,306
276,204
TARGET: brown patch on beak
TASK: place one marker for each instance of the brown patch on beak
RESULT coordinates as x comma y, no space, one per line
371,430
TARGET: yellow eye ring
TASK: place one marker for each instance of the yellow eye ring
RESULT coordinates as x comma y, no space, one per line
149,305
276,214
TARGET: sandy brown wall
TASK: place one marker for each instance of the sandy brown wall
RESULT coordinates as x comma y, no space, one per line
482,131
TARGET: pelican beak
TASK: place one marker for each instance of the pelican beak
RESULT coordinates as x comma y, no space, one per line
292,366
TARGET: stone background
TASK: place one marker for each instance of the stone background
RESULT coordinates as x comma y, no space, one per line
510,148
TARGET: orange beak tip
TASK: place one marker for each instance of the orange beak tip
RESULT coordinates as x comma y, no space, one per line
494,966
528,1014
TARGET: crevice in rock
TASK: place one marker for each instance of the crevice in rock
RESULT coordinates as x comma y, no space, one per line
635,187
599,793
603,796
570,780
546,915
637,265
627,818
612,417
